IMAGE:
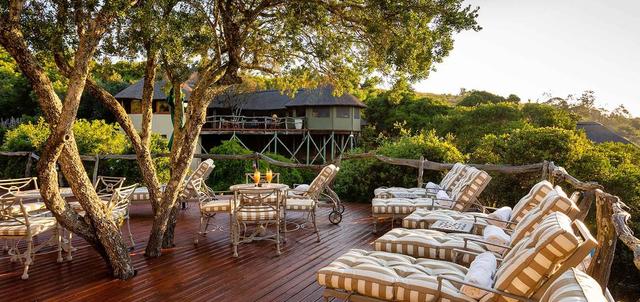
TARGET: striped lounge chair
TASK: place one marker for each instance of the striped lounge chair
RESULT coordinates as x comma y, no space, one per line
527,272
447,183
463,196
423,218
439,245
576,286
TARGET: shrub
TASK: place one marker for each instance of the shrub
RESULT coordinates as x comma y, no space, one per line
131,170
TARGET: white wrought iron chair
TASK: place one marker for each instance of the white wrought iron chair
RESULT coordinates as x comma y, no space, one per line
20,184
210,204
108,184
259,207
17,224
307,201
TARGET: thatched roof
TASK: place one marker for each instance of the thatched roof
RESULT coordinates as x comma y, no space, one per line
134,92
599,133
276,100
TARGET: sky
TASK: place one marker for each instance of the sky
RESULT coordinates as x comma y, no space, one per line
548,47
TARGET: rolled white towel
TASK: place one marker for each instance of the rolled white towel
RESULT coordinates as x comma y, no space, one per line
443,196
496,235
502,214
299,190
432,186
481,273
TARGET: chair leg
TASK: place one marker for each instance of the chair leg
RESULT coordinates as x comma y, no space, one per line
196,238
58,235
235,238
69,245
28,259
278,238
315,226
133,244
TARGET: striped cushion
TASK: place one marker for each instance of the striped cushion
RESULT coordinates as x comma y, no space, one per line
37,226
456,173
402,205
203,171
300,204
141,194
256,213
392,277
555,201
430,244
574,286
537,193
218,205
422,218
384,192
526,267
468,189
28,206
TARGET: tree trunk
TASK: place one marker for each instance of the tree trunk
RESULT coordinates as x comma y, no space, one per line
169,233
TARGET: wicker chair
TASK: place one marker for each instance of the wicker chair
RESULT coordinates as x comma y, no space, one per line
259,207
307,201
17,223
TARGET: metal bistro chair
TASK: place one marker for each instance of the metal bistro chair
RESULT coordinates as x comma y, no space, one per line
16,224
16,185
210,205
108,184
118,205
259,207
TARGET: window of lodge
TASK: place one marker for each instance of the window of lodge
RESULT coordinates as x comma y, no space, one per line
321,112
343,112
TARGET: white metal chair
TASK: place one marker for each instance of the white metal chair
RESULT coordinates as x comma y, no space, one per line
259,207
17,224
108,184
210,204
307,201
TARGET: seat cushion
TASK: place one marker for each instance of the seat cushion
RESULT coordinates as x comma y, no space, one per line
217,205
37,226
300,204
256,213
430,244
423,218
574,286
392,277
399,192
399,206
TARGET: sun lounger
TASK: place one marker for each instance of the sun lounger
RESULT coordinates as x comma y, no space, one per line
462,198
423,218
447,184
440,245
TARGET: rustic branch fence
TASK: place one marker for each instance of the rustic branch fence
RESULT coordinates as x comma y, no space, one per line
612,220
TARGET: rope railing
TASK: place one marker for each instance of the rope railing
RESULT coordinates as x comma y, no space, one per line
612,220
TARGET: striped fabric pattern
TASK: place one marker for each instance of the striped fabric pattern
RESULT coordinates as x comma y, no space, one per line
469,187
525,268
574,286
422,218
256,213
452,178
203,171
37,226
537,193
300,204
402,205
217,205
447,183
555,201
430,244
392,277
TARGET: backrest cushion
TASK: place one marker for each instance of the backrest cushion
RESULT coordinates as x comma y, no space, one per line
574,286
469,188
526,267
537,193
454,175
325,176
555,201
203,171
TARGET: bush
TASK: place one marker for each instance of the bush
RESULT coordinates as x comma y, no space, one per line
358,178
131,170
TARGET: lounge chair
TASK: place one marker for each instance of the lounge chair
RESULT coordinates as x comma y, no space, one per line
423,218
306,201
440,245
462,197
447,183
526,273
576,286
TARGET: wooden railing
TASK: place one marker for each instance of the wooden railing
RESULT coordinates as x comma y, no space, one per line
612,220
236,122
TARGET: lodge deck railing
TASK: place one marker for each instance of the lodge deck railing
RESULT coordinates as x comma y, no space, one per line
253,123
612,220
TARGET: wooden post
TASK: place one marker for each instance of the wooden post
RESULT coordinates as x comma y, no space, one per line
95,169
420,171
586,200
600,268
27,169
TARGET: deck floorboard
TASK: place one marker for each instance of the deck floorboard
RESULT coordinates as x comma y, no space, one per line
206,272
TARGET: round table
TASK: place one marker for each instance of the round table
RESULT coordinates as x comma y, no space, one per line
34,195
266,186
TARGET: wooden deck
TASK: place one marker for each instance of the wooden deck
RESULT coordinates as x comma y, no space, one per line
207,272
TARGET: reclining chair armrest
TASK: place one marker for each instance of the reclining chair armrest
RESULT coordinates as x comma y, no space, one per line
461,251
485,243
491,290
498,220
